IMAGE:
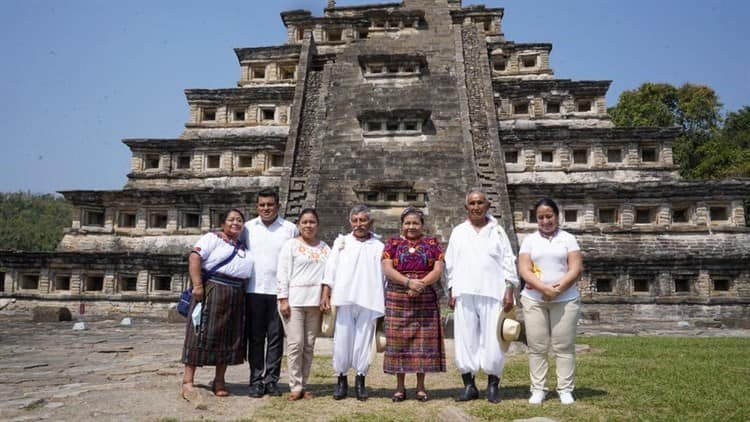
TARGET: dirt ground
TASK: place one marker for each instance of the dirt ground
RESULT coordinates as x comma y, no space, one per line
111,372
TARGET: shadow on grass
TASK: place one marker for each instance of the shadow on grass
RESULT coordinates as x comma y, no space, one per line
508,392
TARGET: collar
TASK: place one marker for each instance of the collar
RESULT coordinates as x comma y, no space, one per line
276,222
551,236
364,239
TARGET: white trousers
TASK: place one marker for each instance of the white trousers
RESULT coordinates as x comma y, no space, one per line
475,335
352,338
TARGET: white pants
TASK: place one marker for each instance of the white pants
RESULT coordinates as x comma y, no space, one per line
352,338
475,335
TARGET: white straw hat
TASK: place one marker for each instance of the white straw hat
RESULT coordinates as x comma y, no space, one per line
508,329
328,322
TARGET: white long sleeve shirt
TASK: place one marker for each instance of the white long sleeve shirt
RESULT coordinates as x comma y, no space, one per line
265,243
355,273
300,272
479,263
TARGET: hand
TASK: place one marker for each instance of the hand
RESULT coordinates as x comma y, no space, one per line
198,293
508,300
284,308
550,292
417,285
325,304
451,300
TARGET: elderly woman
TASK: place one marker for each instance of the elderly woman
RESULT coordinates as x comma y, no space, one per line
550,262
412,263
353,283
218,265
300,272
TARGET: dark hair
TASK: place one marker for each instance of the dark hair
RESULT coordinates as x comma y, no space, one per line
412,210
308,211
226,214
268,192
547,202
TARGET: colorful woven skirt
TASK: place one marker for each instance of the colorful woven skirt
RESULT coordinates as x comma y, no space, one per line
220,338
414,333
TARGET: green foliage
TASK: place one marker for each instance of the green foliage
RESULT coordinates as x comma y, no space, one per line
32,222
709,147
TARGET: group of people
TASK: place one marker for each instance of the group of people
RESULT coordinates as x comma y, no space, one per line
256,280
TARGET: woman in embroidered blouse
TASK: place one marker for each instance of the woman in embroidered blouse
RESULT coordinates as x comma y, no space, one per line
302,261
550,262
219,338
413,264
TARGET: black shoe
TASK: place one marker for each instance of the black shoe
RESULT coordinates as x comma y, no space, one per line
272,389
470,389
360,389
257,390
341,388
493,389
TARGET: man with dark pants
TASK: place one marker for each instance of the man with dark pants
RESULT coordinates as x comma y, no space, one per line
265,235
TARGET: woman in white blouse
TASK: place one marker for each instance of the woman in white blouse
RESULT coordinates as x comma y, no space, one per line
550,262
302,261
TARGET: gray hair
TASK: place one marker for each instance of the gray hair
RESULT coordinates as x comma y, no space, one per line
357,209
473,191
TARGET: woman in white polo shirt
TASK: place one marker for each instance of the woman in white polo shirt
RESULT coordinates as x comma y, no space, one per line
550,262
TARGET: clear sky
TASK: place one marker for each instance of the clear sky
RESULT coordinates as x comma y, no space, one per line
78,76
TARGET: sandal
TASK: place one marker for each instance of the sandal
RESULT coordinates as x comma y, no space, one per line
308,394
295,395
422,396
189,393
219,388
399,396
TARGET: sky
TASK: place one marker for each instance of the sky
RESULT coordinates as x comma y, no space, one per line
78,76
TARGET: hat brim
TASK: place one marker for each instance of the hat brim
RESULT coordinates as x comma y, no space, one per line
328,323
505,344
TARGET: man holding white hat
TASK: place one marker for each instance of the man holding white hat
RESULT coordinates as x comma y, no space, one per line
353,283
480,268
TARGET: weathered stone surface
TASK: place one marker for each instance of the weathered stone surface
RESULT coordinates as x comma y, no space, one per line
174,317
51,314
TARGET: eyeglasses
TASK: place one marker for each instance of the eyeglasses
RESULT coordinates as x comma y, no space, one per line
412,210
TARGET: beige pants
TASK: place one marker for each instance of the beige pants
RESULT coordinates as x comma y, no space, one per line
301,330
551,323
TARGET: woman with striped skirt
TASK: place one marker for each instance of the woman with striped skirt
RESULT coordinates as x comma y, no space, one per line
219,265
413,264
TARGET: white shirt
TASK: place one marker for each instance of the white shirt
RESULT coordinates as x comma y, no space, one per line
265,243
551,256
355,273
480,263
213,250
300,272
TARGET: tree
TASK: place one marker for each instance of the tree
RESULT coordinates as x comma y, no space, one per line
727,153
694,108
32,222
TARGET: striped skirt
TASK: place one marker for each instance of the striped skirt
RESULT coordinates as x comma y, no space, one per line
414,333
220,338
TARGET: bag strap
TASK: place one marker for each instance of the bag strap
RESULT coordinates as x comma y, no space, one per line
224,262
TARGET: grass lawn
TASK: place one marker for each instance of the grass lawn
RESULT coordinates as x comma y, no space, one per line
621,378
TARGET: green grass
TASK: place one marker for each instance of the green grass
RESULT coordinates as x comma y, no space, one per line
620,378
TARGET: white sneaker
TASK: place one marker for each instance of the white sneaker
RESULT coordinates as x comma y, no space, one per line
537,397
567,398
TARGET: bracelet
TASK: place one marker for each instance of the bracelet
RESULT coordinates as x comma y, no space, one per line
408,281
509,286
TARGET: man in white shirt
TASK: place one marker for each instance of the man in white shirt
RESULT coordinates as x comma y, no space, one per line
264,236
353,283
481,274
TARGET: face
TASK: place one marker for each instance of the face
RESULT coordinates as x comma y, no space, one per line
232,226
361,224
308,226
411,228
546,219
477,206
268,209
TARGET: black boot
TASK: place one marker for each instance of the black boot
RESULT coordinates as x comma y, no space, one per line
359,388
341,388
493,389
470,389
